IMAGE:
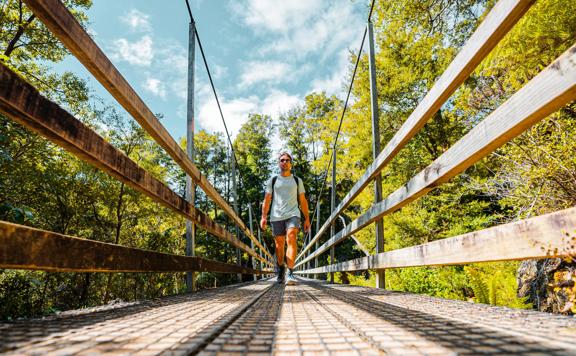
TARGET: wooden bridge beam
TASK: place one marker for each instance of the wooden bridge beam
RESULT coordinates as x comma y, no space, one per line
68,30
23,247
545,236
495,26
553,88
23,103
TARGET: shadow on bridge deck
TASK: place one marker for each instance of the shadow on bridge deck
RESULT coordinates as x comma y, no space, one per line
310,317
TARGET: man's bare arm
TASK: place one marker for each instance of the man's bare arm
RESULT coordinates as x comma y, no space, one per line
304,207
265,209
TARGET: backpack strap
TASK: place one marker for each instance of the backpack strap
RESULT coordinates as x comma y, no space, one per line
273,184
297,180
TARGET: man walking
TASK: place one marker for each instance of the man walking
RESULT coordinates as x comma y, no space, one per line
284,192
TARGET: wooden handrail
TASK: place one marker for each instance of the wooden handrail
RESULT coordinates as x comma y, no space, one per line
23,247
63,25
495,26
551,89
546,236
23,103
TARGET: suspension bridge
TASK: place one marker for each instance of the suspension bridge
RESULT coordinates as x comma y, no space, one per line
314,316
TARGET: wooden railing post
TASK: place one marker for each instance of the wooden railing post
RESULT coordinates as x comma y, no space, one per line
307,241
252,232
260,241
190,186
380,279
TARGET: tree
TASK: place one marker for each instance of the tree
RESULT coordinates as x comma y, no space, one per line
254,153
535,173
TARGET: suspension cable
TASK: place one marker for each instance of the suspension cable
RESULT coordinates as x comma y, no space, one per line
338,132
213,88
240,180
341,117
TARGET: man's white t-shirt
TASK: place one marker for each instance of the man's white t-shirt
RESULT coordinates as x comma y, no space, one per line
285,200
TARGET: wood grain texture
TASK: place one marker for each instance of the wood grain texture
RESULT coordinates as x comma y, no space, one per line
550,90
23,247
23,103
497,23
68,30
546,236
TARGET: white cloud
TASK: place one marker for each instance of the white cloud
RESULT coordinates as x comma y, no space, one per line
278,102
220,71
174,67
301,27
236,111
175,59
137,21
335,83
179,87
156,87
270,71
331,85
138,53
278,16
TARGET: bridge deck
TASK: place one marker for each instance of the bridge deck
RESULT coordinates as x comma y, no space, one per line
312,317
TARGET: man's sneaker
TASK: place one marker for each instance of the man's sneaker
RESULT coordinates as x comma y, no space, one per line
290,280
280,270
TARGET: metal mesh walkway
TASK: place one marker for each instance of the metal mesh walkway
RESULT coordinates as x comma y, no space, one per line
309,318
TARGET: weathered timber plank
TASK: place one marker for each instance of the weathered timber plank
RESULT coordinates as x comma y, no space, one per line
545,236
64,26
553,88
24,104
23,247
498,22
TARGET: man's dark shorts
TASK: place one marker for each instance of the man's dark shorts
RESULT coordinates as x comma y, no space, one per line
279,228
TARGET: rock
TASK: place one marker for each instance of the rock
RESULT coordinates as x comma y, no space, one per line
536,280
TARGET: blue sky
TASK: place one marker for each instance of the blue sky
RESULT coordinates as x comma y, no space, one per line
265,55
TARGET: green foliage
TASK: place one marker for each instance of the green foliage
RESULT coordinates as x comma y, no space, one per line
494,283
18,215
531,176
43,186
444,282
482,293
19,293
252,147
364,279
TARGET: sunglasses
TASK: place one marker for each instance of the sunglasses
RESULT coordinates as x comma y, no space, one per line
285,160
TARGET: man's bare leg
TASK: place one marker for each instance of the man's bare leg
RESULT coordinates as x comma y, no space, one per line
280,240
292,247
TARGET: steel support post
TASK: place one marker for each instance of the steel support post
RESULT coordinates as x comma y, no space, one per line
309,265
308,253
316,275
380,277
190,186
252,242
332,207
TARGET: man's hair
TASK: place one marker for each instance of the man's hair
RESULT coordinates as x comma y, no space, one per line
285,154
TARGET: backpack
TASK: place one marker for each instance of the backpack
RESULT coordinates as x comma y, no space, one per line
296,179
